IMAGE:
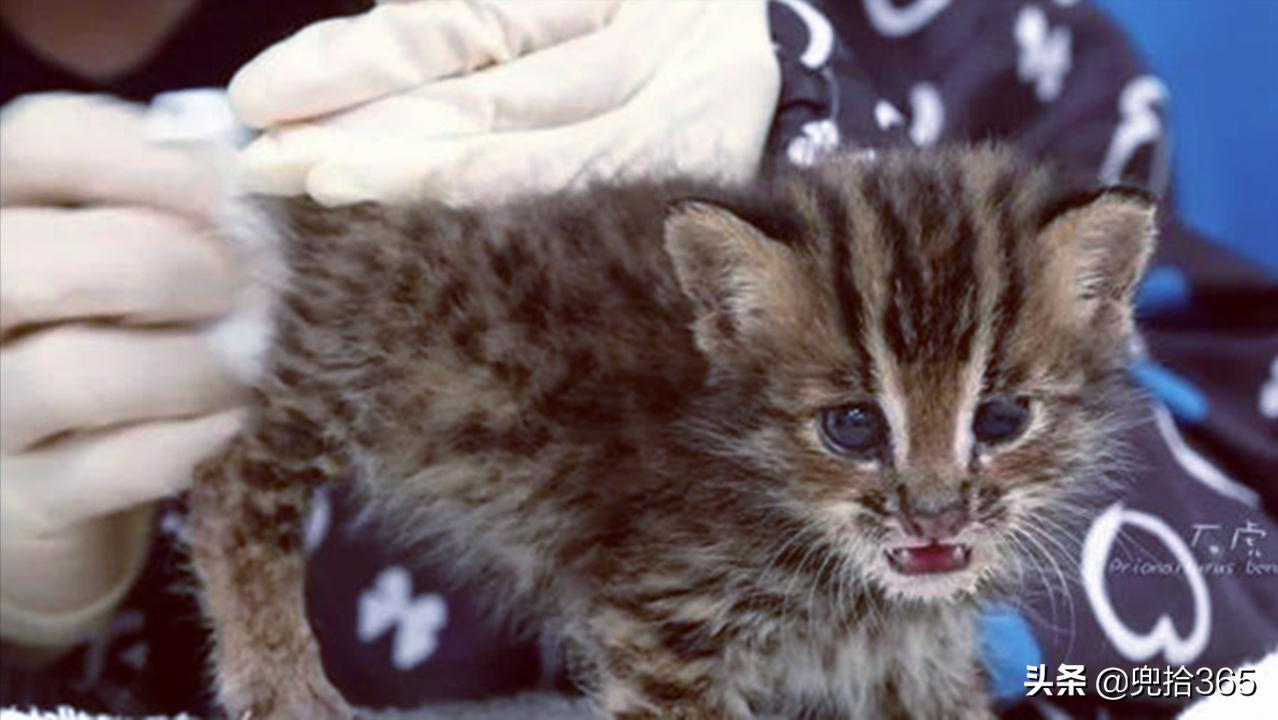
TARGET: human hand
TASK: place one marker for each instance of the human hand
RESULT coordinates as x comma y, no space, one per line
476,101
110,392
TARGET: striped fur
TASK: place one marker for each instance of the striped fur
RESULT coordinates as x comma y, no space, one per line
604,405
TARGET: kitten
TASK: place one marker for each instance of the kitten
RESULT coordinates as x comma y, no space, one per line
756,451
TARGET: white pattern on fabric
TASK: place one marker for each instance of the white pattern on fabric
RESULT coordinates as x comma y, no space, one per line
886,115
389,603
1162,638
894,21
1045,56
1197,466
820,33
929,114
816,137
1268,400
1139,125
819,138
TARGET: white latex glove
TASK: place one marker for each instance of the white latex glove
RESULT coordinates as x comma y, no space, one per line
110,392
475,101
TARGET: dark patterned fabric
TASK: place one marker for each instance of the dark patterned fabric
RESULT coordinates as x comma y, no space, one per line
1182,569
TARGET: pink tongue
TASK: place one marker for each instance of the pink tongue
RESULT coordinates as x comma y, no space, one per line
934,558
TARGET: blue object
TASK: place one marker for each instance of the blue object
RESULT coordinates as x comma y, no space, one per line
1165,290
1007,646
1185,400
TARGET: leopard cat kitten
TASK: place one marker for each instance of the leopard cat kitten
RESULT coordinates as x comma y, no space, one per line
756,451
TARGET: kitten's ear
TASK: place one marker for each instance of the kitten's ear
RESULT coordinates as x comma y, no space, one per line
740,281
1099,245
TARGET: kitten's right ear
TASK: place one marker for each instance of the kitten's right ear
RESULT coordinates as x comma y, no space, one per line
742,283
1099,244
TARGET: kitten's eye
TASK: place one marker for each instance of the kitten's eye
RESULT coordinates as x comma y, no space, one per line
854,429
1000,420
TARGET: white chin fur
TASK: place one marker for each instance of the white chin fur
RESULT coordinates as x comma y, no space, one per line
937,587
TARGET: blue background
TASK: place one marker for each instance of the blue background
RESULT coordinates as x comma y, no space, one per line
1219,58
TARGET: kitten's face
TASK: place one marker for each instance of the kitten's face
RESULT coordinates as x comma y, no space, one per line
934,362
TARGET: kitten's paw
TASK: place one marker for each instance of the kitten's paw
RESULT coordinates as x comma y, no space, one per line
288,701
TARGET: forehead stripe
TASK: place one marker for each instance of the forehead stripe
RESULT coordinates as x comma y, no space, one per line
957,296
1012,290
903,282
839,231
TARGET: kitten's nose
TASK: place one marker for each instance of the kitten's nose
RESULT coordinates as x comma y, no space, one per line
940,524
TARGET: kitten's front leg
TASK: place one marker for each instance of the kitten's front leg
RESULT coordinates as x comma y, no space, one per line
639,678
646,697
955,689
247,512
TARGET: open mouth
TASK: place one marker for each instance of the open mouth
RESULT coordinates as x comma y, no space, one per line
929,559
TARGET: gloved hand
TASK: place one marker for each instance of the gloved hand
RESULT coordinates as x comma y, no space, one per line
475,101
110,391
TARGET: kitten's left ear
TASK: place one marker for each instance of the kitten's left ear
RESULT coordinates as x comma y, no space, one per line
1099,245
743,284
